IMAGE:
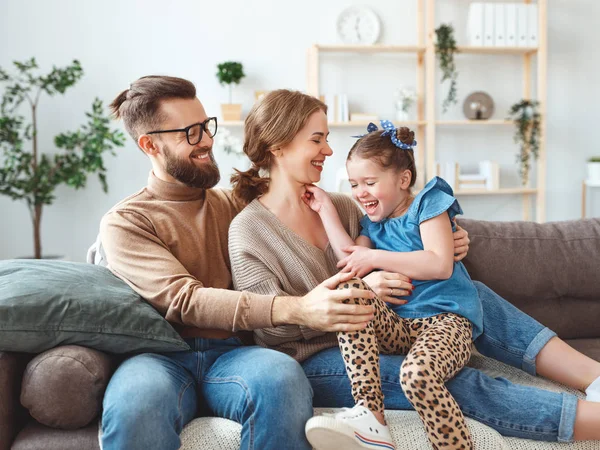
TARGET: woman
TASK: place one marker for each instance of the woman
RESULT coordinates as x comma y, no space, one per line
278,245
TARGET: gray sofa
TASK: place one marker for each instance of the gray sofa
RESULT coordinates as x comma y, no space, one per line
547,270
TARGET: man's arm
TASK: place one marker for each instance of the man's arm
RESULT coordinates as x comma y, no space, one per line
135,254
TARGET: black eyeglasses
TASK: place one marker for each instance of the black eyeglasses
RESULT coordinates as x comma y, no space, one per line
193,133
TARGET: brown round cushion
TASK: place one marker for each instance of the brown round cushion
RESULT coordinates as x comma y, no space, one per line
64,386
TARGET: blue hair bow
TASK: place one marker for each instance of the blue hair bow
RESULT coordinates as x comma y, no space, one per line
389,130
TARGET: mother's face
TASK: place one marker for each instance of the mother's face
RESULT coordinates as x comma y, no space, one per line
302,159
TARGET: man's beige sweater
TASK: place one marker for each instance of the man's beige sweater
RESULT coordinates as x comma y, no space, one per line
268,258
169,243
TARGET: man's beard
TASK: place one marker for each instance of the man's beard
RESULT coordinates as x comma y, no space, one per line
204,176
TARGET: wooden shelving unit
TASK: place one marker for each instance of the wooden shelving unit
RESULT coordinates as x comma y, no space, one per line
426,82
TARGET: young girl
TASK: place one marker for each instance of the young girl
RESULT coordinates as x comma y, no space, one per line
412,235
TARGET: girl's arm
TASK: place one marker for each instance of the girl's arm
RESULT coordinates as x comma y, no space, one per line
434,262
318,200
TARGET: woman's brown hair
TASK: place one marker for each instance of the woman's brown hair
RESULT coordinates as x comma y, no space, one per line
384,152
272,122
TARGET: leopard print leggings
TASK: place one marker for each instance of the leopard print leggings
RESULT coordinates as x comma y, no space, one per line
436,348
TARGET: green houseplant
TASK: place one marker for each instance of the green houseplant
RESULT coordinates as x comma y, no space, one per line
228,74
593,169
527,119
445,49
27,172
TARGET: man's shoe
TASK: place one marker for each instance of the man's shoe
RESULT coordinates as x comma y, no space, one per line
349,429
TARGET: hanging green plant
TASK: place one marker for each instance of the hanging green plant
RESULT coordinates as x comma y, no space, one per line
445,48
527,119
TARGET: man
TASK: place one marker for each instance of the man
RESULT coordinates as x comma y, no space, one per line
169,243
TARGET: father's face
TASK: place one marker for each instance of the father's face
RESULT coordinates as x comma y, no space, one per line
192,165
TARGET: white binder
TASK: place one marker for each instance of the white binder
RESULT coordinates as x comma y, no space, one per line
475,24
510,18
488,24
499,25
522,40
532,25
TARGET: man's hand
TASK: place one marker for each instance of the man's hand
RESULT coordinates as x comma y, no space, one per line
461,243
322,308
358,262
389,285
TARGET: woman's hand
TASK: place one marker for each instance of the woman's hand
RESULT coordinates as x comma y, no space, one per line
316,198
461,243
389,285
358,262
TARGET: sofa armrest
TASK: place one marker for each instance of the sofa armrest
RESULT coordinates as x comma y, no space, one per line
12,414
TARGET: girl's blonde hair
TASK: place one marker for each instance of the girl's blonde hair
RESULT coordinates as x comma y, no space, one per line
384,152
272,122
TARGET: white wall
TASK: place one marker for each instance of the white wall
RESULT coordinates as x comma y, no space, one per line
118,41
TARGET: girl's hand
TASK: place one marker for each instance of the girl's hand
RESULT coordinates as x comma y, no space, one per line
316,198
358,262
389,285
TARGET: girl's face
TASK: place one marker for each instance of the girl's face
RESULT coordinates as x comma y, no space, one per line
383,193
304,157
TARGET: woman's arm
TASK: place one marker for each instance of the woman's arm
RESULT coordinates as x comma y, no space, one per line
434,262
318,200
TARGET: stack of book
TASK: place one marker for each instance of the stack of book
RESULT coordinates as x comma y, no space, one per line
488,176
503,24
337,107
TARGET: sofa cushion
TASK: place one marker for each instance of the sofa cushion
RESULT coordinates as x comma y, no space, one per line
12,366
547,270
39,437
44,304
63,387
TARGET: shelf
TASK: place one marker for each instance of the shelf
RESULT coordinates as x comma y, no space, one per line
503,191
474,122
231,123
378,48
365,124
497,50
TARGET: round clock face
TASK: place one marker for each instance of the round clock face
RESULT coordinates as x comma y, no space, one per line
358,25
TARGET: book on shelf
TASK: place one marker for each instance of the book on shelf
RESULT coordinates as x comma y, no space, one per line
488,24
510,19
475,24
500,25
522,20
448,171
337,107
532,25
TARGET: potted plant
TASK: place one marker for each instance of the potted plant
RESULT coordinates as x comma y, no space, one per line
593,169
527,118
445,48
230,73
404,100
26,172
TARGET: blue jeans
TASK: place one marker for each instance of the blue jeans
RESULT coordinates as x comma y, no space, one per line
151,397
509,336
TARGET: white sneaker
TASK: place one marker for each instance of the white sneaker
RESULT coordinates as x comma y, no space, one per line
349,429
593,391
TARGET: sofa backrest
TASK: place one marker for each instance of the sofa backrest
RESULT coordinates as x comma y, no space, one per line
549,270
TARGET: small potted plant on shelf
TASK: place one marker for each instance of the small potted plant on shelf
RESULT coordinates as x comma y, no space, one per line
445,48
593,169
26,172
527,119
405,98
230,73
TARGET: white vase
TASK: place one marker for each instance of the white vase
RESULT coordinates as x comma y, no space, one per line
401,116
593,170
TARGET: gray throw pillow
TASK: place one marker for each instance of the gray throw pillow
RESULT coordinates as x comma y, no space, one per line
44,304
